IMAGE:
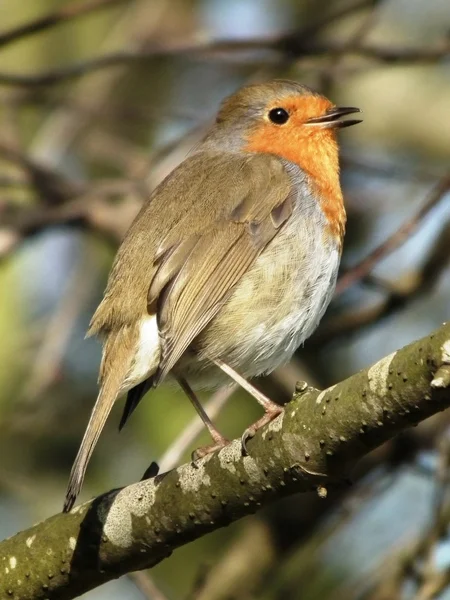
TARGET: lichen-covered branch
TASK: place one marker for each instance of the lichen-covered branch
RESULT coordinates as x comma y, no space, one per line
312,445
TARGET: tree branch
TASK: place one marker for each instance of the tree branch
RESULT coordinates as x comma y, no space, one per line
290,45
64,14
312,445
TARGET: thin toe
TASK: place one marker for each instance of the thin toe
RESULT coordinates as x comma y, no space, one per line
205,450
247,435
251,431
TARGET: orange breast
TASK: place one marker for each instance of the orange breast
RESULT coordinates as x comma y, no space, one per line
314,151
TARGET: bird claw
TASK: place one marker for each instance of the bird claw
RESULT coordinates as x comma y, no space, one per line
247,435
250,432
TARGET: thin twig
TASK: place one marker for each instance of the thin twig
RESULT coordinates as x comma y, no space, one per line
57,17
394,241
398,296
92,211
329,74
62,127
52,186
145,584
58,332
286,45
426,569
408,561
389,170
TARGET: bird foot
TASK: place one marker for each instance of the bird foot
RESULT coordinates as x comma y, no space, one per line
272,411
220,442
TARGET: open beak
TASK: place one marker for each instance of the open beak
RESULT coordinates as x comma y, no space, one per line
333,118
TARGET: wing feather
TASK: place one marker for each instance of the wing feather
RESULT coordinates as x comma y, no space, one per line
197,255
217,259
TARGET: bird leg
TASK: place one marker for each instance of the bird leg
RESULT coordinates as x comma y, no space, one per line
272,409
219,440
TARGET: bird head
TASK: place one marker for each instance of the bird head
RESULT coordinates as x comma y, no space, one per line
281,117
291,121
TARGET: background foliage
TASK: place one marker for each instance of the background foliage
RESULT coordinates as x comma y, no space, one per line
99,99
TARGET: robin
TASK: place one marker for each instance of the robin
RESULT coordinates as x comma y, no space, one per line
230,264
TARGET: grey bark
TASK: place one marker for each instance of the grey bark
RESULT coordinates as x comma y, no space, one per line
312,445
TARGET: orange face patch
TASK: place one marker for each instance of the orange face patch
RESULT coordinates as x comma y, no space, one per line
314,150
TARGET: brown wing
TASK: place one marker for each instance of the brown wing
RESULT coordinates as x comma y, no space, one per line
202,191
195,276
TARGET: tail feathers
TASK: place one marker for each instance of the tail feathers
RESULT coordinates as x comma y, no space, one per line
134,396
102,408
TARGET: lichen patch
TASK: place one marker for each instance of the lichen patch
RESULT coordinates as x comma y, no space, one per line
80,508
193,478
446,352
13,562
230,455
293,443
321,396
29,541
441,378
132,501
252,469
274,426
439,382
378,375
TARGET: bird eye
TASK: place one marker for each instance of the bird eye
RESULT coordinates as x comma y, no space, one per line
279,116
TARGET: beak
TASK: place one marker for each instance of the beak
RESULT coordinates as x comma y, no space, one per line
333,118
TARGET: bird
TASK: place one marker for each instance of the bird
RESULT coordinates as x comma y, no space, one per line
231,262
